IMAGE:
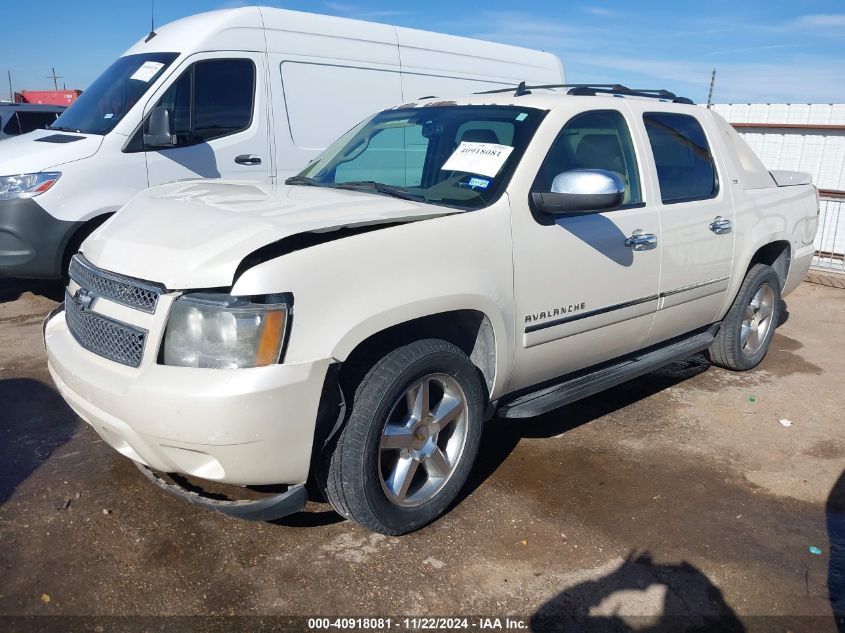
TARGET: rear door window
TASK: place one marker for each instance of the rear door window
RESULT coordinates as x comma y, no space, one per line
685,167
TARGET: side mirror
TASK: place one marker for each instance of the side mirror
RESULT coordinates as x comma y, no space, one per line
158,126
581,191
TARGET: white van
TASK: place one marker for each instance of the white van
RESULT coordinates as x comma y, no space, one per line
251,93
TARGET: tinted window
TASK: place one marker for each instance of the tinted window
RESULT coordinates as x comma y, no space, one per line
12,127
222,90
594,140
685,168
30,121
223,96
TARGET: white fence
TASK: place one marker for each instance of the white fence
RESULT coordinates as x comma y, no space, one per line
830,238
803,137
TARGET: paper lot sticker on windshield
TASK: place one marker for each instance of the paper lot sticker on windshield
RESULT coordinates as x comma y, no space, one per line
147,71
485,159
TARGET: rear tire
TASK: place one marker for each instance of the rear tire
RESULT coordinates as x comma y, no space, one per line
410,439
748,327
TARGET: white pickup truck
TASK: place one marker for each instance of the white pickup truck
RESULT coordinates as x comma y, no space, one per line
444,261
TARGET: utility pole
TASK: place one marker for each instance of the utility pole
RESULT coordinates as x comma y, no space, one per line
11,94
55,79
710,94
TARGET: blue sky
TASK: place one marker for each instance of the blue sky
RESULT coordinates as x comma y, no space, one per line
763,50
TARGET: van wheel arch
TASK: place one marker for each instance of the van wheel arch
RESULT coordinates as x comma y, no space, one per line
77,237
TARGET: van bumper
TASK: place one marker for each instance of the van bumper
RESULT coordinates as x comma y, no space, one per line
237,426
32,242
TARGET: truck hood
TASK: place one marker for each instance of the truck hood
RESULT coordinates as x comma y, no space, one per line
29,153
194,234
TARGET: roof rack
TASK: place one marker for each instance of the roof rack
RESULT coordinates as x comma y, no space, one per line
594,89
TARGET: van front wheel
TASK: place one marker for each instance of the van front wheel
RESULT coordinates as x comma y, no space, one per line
410,439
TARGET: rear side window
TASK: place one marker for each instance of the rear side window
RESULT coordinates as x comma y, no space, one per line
685,168
30,121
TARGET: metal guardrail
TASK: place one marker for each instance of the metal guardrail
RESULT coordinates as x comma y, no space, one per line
830,237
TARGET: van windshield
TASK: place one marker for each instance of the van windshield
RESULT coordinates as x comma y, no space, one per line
111,96
449,155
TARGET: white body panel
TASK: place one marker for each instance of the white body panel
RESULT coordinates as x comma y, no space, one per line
416,260
338,71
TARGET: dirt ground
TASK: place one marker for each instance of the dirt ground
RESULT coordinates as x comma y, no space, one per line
677,500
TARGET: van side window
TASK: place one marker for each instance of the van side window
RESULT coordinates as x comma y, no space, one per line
593,140
685,168
210,100
224,90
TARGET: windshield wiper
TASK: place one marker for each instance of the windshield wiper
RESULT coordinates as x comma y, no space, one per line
378,187
62,129
302,180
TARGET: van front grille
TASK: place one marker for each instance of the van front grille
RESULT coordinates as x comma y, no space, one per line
120,342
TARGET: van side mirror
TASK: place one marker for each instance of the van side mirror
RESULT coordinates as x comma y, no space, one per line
581,191
158,129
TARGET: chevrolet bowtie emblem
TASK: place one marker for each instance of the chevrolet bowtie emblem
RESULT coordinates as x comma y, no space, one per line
84,298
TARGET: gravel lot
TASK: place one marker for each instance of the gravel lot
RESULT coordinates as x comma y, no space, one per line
671,499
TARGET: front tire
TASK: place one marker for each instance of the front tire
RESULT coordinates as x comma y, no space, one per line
410,439
748,327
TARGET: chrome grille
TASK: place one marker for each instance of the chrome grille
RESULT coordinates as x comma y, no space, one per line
134,293
120,342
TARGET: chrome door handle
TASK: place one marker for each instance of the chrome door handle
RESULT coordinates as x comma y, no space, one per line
248,159
721,225
640,241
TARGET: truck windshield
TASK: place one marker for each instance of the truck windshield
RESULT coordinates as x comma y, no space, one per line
113,93
450,155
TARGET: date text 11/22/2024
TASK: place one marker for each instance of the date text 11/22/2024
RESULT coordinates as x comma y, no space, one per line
419,624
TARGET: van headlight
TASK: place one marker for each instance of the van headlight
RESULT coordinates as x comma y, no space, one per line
27,185
215,330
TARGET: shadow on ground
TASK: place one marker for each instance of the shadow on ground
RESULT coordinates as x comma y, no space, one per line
34,422
501,435
11,289
680,597
836,534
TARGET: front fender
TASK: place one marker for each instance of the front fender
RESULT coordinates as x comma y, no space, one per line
351,288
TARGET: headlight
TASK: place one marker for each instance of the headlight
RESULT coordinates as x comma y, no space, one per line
27,185
209,329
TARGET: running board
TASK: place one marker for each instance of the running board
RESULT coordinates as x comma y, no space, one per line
583,385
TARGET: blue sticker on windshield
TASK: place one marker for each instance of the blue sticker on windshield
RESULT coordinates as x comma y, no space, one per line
478,183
